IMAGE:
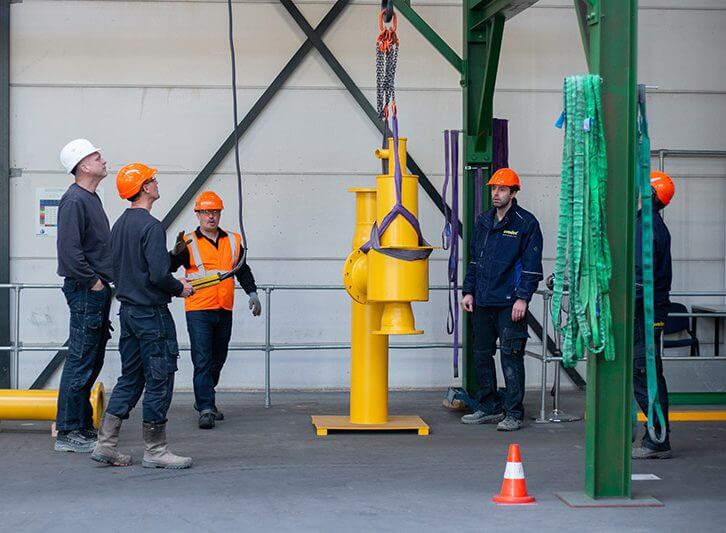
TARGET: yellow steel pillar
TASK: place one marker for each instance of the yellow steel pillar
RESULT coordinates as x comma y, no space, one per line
368,351
382,289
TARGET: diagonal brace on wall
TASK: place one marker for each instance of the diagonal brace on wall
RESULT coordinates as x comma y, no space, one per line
314,39
360,98
220,154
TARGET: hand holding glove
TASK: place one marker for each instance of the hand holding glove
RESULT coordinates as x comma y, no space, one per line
255,304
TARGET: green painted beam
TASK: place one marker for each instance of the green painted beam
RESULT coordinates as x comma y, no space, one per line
481,61
483,10
697,398
494,33
448,53
611,42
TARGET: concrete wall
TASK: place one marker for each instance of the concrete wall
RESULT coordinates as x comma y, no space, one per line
149,81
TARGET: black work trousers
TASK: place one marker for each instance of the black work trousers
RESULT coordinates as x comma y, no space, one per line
490,324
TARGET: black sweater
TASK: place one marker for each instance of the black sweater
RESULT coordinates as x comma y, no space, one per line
84,237
140,260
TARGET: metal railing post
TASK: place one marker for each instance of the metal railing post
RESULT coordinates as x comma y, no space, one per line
16,342
268,320
542,419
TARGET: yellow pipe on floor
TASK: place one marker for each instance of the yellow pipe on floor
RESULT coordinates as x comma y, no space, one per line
18,404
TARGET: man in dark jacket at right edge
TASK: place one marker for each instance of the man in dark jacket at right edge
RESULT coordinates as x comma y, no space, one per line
663,191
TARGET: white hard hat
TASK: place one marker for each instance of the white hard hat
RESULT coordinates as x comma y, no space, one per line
74,151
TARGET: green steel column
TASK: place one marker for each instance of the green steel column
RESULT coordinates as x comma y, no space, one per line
609,30
4,189
482,45
404,7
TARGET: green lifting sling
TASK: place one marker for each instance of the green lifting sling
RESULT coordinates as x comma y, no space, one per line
646,219
583,254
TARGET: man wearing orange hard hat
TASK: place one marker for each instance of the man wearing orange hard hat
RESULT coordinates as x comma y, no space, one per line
503,273
148,343
663,191
211,251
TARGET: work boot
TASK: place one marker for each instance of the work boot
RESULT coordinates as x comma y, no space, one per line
509,424
73,441
480,417
643,452
156,452
105,451
218,415
206,419
89,433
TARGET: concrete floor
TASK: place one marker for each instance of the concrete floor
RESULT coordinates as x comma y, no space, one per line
264,469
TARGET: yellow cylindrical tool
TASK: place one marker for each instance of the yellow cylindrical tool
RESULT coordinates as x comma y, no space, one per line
391,281
43,404
368,352
382,289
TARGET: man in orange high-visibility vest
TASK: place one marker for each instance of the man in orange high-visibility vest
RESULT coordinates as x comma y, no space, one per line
206,251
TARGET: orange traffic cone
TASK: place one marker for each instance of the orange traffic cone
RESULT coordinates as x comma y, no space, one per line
514,488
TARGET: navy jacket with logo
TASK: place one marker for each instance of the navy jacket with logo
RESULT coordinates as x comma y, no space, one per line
506,258
662,266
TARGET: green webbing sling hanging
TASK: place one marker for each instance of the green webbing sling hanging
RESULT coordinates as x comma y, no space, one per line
646,220
583,254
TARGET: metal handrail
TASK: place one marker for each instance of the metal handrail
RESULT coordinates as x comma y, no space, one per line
662,153
545,358
268,346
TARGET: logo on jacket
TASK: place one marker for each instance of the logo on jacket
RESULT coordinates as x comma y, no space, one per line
510,233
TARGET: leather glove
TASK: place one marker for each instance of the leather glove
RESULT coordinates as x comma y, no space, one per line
180,245
255,304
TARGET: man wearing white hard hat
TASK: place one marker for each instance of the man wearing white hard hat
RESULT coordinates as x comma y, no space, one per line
84,261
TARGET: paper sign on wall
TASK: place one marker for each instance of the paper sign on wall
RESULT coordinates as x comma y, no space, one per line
47,200
46,210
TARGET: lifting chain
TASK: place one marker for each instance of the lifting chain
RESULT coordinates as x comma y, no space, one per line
386,60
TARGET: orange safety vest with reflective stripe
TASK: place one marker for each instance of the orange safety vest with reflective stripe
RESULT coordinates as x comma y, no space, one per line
205,260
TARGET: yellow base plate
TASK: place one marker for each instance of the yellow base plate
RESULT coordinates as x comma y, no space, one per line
325,423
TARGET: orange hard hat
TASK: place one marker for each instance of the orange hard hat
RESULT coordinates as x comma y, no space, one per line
131,177
663,185
208,201
505,177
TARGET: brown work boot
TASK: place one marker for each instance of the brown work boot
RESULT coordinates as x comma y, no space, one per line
105,450
157,454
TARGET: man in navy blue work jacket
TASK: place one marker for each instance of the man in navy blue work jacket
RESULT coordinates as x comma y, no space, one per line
504,271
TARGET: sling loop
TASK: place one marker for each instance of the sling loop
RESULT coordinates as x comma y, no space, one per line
646,220
583,254
450,237
386,59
